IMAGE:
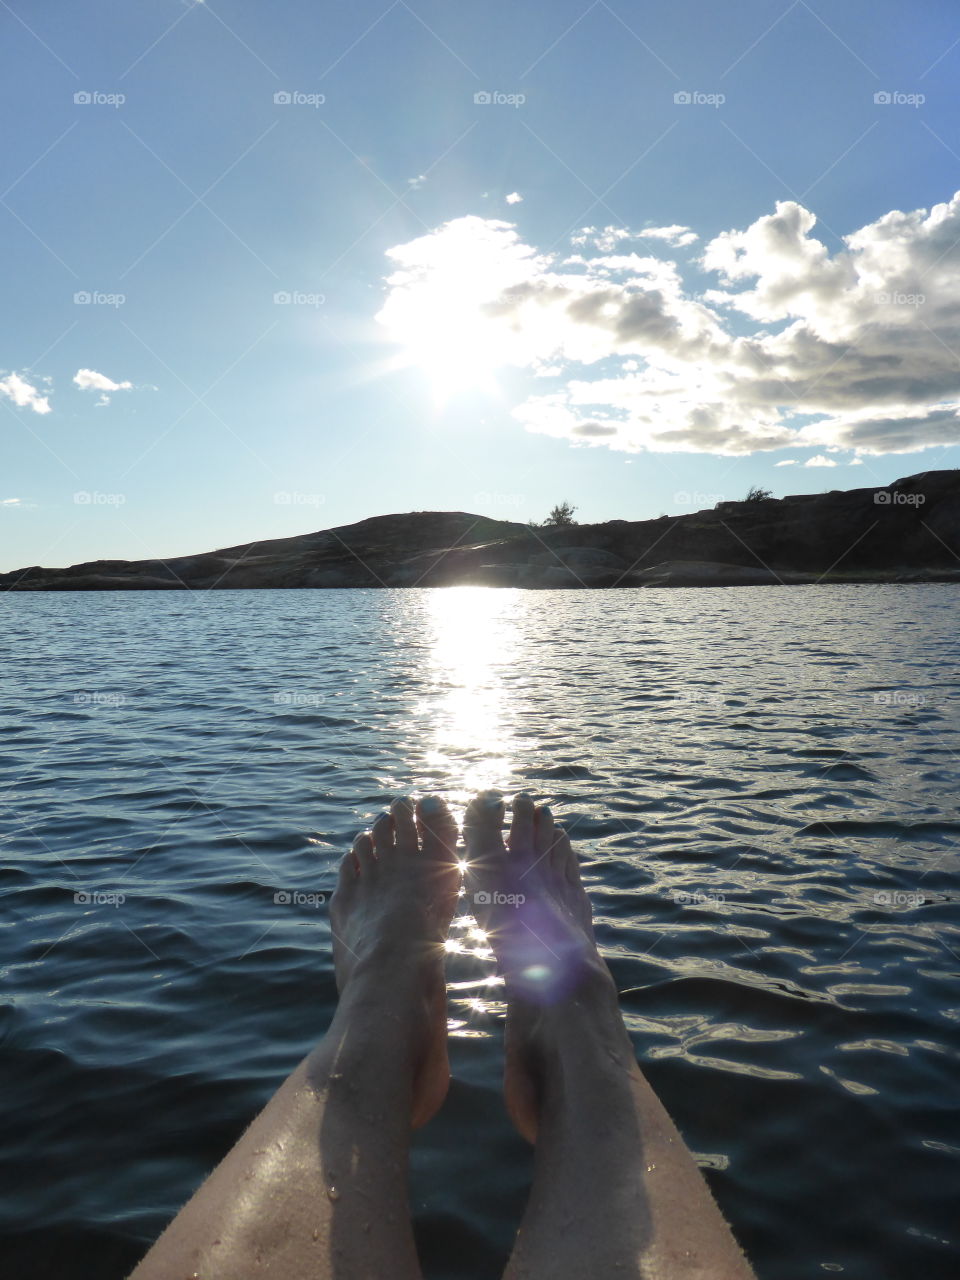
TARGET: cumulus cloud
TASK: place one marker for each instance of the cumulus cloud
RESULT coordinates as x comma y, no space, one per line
23,394
90,380
795,346
786,462
514,198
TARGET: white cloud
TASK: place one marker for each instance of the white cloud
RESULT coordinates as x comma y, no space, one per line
514,198
820,460
9,502
90,380
675,235
23,395
852,350
786,462
417,182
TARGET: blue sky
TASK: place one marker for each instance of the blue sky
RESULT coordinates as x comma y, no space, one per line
185,202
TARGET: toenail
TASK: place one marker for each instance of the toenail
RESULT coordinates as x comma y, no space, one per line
405,800
382,814
491,798
431,804
546,811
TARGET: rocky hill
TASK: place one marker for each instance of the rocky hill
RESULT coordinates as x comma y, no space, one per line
906,532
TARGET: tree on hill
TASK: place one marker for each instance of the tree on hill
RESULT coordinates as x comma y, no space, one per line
756,494
561,515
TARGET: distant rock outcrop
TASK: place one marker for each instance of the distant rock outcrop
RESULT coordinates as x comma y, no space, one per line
905,532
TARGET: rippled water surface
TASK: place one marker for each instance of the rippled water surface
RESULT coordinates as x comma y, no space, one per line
762,783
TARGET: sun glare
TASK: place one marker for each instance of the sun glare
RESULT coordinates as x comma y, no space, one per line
439,307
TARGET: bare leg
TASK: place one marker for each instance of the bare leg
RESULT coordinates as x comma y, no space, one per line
316,1187
615,1191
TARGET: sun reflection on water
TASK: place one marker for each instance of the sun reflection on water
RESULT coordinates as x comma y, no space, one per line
474,638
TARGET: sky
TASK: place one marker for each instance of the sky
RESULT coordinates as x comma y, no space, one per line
272,269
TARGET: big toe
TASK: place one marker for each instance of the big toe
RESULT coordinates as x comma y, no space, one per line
438,829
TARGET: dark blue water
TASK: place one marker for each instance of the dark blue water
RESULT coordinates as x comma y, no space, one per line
762,781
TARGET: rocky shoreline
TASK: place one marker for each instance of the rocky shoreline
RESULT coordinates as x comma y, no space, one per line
905,532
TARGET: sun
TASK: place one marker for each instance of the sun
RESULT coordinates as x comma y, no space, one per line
444,307
445,334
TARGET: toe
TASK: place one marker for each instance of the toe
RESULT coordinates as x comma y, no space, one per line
438,829
564,858
362,853
483,821
521,828
403,824
383,835
349,870
545,834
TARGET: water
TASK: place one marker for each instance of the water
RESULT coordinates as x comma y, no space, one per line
762,781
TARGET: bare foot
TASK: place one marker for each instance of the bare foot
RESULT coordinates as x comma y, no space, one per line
531,902
389,916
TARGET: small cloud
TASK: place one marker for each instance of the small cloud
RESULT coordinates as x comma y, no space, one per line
676,235
418,181
23,395
90,380
787,462
514,198
819,460
9,502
